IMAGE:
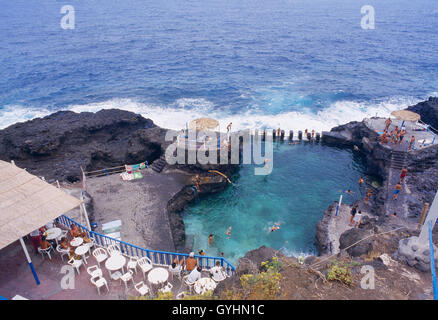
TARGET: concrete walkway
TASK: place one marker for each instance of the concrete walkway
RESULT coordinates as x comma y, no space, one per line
339,224
140,204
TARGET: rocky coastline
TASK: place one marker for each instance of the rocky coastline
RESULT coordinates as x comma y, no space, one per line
421,182
58,145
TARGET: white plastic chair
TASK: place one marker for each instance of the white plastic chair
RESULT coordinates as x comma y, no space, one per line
187,283
100,254
145,265
116,275
132,263
167,288
141,288
63,235
91,244
94,271
113,249
45,251
62,252
177,271
126,277
99,282
75,264
218,275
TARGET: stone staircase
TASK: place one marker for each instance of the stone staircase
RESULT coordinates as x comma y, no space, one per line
398,159
158,165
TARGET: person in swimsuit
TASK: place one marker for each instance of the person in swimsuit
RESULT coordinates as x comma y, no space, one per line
353,213
388,123
275,227
397,190
411,143
403,174
402,135
228,233
210,239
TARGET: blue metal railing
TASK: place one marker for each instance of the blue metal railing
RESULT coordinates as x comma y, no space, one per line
432,264
162,258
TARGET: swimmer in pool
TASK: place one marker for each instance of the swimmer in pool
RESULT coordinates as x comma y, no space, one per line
275,227
228,232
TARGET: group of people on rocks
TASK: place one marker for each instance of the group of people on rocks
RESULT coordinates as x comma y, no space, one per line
396,136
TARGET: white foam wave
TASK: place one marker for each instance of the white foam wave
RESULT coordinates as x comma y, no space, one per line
12,114
187,109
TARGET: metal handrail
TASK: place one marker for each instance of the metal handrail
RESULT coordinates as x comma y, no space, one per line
162,258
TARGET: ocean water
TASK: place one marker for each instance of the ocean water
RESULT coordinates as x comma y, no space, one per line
306,178
293,64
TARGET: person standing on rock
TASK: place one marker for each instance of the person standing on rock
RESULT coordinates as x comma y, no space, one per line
397,190
403,174
197,181
402,135
411,143
229,127
387,123
353,213
357,219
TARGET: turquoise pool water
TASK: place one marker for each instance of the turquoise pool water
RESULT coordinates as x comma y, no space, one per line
306,178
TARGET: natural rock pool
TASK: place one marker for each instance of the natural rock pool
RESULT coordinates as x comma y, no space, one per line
305,180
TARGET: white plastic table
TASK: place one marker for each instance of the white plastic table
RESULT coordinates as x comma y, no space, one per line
53,234
115,262
203,285
76,242
81,251
158,275
218,276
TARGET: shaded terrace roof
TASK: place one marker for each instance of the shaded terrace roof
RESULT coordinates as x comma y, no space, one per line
27,203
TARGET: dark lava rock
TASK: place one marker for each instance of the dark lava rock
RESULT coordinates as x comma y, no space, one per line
251,262
322,242
428,110
352,236
57,146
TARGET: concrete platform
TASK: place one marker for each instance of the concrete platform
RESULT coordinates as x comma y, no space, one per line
140,204
378,125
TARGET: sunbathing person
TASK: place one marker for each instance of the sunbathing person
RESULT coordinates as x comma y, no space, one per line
191,262
64,244
74,231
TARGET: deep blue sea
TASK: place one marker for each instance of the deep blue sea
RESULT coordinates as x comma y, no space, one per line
294,64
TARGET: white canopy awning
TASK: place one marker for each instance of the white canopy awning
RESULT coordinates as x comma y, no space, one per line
28,203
